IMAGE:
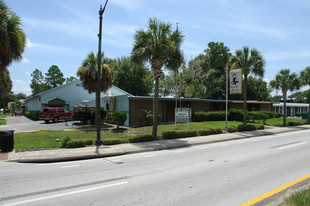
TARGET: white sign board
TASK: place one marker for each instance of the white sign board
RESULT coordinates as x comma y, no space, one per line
182,114
235,81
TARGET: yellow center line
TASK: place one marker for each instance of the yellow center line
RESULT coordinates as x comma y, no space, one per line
275,191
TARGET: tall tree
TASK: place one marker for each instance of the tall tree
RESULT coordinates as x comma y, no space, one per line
285,81
88,71
12,37
54,77
5,84
70,79
160,46
305,80
37,82
134,78
251,62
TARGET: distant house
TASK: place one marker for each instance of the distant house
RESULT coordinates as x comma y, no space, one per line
291,108
116,99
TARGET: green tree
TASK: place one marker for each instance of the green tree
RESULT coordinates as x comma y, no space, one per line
12,37
54,77
285,81
20,96
5,85
160,46
305,80
38,84
134,78
70,79
88,71
251,62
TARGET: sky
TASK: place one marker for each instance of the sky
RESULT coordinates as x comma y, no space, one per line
63,32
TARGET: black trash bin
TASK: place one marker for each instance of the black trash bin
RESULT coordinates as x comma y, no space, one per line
7,140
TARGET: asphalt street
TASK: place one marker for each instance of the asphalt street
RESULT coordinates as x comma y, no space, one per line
224,173
23,124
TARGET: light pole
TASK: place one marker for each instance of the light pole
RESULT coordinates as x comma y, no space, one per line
98,91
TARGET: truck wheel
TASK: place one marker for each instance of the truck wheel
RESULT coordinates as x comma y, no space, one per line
56,119
73,117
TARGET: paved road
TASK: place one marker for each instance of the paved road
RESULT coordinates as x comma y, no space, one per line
22,124
225,173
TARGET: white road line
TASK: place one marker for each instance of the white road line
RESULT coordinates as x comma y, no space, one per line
153,155
51,164
292,145
63,167
65,194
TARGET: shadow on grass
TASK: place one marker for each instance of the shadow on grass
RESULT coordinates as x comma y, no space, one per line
119,130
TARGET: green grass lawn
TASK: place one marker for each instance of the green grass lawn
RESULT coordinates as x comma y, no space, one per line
298,199
52,138
2,121
279,121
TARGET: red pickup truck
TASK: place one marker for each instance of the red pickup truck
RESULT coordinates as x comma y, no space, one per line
55,114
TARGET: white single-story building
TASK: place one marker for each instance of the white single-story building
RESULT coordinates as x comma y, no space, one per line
291,108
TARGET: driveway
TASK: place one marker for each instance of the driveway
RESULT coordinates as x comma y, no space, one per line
23,124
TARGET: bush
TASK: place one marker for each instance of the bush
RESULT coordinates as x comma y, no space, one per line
64,142
270,114
259,126
170,135
112,141
232,129
141,138
204,132
295,123
298,114
236,115
215,130
255,115
103,114
246,127
76,144
89,142
179,134
145,118
119,117
32,115
209,116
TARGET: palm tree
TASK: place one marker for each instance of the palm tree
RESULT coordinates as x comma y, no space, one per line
250,62
12,37
5,84
160,46
287,82
305,80
88,74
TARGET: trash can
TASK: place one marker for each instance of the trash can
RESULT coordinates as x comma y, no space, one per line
7,140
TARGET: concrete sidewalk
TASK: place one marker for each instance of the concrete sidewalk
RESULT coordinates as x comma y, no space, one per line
58,155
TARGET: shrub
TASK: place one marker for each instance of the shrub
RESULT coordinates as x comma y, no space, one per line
215,130
246,127
255,115
259,126
141,138
295,123
64,142
76,144
204,132
232,129
32,115
170,135
298,114
236,115
270,114
89,142
209,116
145,118
119,117
112,141
179,134
103,114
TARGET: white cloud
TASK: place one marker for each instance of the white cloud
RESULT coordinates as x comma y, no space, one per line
129,5
25,60
30,44
28,73
19,81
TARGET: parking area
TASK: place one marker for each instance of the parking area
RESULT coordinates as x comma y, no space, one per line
23,124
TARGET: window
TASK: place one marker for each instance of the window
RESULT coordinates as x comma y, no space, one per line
60,110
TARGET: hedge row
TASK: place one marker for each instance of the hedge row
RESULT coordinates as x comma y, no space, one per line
233,115
246,127
190,133
32,115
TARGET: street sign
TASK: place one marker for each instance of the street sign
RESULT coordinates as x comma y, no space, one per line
182,114
236,81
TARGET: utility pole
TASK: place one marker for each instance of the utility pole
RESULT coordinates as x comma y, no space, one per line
98,91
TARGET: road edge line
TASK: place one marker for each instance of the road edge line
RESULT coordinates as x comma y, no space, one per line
275,191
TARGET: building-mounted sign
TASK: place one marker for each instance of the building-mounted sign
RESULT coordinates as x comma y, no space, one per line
235,81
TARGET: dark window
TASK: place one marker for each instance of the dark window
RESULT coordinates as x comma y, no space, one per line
60,110
52,111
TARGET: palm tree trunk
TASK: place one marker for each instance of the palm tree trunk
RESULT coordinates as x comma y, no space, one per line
309,113
245,106
284,112
155,108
